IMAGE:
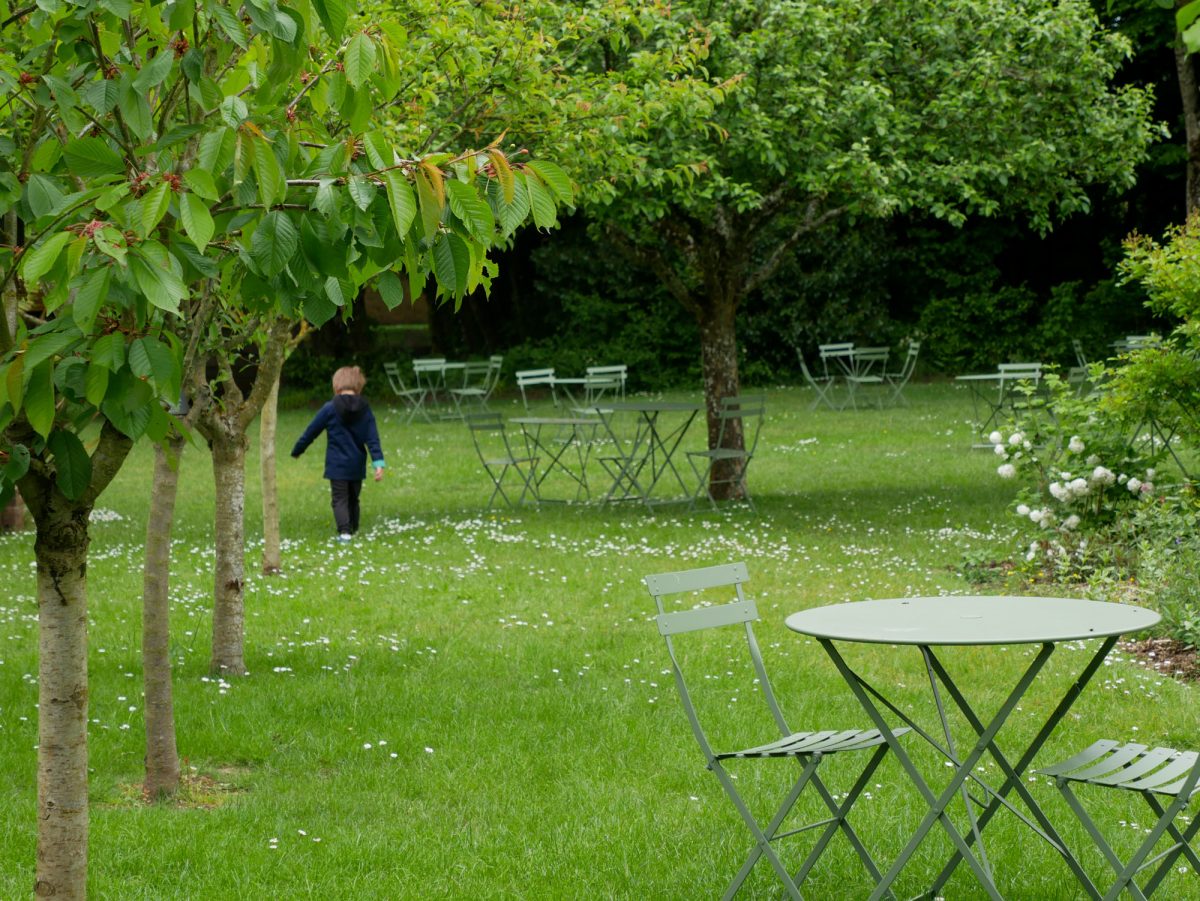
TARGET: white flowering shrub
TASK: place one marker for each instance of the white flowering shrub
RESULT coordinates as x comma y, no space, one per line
1079,473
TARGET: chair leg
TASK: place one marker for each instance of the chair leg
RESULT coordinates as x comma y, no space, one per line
840,822
1101,843
1183,845
763,837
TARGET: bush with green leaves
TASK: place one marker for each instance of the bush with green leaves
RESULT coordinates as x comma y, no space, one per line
1080,474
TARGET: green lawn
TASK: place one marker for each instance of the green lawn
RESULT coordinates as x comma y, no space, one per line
465,704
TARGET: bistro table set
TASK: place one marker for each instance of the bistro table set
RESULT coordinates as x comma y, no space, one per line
615,451
849,373
1163,777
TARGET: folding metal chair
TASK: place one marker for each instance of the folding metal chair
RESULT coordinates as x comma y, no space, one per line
601,380
479,381
808,749
823,385
1156,774
495,453
430,375
414,398
897,380
738,414
531,378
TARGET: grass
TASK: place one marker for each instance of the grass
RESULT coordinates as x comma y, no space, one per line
469,704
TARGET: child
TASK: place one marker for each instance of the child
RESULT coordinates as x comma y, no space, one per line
350,431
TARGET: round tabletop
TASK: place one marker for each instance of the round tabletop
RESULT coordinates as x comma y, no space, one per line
971,620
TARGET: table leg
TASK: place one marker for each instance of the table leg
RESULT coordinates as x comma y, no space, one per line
657,441
1013,777
937,803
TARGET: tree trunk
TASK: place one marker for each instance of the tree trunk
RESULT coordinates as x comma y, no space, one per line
1189,93
229,475
12,519
719,369
162,755
272,561
61,550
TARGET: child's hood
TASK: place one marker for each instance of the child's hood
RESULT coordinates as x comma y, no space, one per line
349,407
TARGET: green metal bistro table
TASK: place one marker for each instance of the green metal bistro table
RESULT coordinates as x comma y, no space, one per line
565,434
640,463
929,622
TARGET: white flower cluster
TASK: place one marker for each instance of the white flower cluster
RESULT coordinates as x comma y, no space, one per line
1017,443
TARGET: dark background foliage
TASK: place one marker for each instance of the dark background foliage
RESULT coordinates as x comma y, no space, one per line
991,291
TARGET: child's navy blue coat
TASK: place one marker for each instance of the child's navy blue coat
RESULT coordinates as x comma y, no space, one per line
351,431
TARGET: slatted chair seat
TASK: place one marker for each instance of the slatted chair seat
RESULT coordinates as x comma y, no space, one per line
807,749
829,742
1152,773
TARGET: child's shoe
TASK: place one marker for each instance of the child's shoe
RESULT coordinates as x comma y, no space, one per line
345,538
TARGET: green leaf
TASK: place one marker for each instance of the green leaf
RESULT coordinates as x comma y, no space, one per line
95,383
468,206
154,207
157,279
554,178
362,191
391,289
230,24
1186,15
14,382
359,59
1191,37
72,465
318,309
197,221
542,204
274,242
41,259
272,186
451,261
201,183
18,462
90,296
42,194
333,290
154,72
88,157
333,15
431,206
110,242
39,399
108,352
401,200
102,96
44,347
135,108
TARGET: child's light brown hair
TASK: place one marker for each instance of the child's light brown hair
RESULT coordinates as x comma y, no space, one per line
349,378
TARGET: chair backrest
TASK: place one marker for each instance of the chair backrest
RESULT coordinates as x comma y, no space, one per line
475,373
495,365
395,380
602,379
488,434
1020,371
808,376
910,361
741,611
748,411
527,377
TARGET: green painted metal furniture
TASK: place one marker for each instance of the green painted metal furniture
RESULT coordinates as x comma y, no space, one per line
867,367
1162,776
565,443
496,454
898,380
929,623
604,380
479,381
535,378
821,384
808,749
740,414
996,395
414,398
638,464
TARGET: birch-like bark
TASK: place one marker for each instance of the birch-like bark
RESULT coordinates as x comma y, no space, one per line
162,754
61,549
272,560
229,476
